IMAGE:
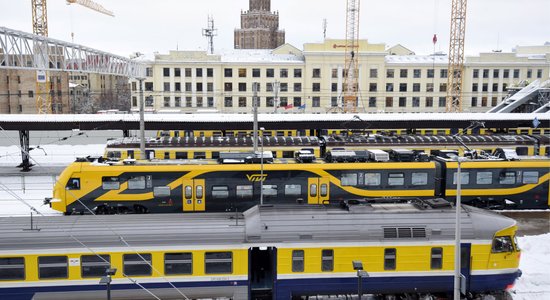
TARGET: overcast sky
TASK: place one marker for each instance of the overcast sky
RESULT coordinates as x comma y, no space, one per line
162,25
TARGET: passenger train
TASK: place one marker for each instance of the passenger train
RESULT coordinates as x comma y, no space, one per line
170,186
286,147
267,252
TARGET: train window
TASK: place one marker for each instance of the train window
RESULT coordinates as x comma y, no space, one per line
530,177
52,267
137,264
298,260
484,178
396,179
178,263
507,177
166,155
389,258
419,178
244,191
199,155
522,150
437,258
12,268
288,154
218,262
464,178
293,190
110,183
198,191
94,266
327,260
280,133
73,184
136,182
150,154
313,190
181,155
323,191
188,192
215,154
220,191
349,179
270,190
161,191
130,154
372,179
502,244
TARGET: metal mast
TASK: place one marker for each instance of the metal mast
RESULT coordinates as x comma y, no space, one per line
40,27
351,69
456,56
210,33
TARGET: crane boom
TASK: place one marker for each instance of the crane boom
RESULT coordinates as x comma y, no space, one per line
92,5
456,56
351,66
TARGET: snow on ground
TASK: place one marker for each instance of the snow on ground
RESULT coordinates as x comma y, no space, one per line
534,284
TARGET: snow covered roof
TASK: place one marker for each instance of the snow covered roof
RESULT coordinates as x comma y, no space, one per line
258,55
418,59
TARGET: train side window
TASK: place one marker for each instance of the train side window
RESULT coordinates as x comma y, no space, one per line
110,183
244,191
150,154
530,177
293,190
349,179
464,178
327,260
136,182
130,154
181,155
389,258
12,268
484,178
298,260
166,155
323,191
502,244
522,150
270,190
198,191
188,192
220,192
52,267
313,190
372,179
73,184
507,177
218,262
420,178
199,155
178,263
288,154
94,266
161,191
437,258
137,264
396,179
215,154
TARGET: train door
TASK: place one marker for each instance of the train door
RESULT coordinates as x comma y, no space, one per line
318,190
193,195
262,271
465,265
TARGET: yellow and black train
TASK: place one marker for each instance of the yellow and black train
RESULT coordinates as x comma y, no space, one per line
267,252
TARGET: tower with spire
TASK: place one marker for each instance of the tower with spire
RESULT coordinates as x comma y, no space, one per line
259,27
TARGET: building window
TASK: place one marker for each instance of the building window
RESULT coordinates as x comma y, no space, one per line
149,86
316,87
484,101
228,72
228,102
177,101
316,101
334,73
417,73
283,101
372,87
188,102
94,266
284,87
442,101
199,87
372,101
494,101
210,101
166,101
297,87
474,87
429,87
443,73
442,87
50,267
516,73
402,87
269,73
334,87
137,264
316,73
242,86
476,73
209,72
485,87
178,263
390,73
416,101
298,260
177,88
429,101
373,73
177,72
269,102
198,72
297,101
242,72
228,87
199,101
134,101
402,101
403,73
485,73
430,73
416,87
188,87
539,73
389,87
389,101
31,94
495,87
148,72
256,73
297,73
166,72
284,73
496,73
390,258
506,73
333,101
209,86
242,101
474,102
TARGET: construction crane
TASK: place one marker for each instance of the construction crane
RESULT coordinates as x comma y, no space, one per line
456,56
351,66
40,27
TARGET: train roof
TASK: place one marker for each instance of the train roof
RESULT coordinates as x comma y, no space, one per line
189,142
406,222
396,140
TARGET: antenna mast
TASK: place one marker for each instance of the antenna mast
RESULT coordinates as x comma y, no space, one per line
210,33
324,28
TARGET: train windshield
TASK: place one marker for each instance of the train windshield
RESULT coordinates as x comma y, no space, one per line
502,244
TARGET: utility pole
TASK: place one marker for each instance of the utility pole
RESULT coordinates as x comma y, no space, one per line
255,111
276,87
210,33
141,120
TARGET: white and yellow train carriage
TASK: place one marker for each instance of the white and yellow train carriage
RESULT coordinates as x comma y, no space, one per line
268,252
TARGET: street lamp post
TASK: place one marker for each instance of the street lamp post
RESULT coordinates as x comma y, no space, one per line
358,266
262,166
458,208
107,280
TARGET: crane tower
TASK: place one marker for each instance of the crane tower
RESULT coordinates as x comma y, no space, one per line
351,66
456,56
